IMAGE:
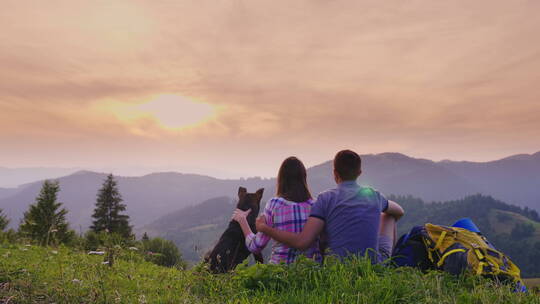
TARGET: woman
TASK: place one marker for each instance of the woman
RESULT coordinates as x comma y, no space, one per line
288,211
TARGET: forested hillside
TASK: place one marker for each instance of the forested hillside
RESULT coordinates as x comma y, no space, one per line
514,230
194,229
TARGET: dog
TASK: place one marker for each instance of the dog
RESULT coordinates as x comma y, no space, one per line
231,249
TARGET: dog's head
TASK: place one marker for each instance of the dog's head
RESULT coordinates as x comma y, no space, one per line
249,200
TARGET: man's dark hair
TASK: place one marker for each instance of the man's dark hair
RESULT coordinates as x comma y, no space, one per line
347,164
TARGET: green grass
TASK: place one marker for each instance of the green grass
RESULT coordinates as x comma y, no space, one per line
30,274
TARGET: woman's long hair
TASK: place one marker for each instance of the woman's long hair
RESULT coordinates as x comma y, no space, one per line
291,181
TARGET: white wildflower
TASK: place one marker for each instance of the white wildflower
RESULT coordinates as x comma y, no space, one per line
142,299
76,281
133,248
54,252
96,252
105,263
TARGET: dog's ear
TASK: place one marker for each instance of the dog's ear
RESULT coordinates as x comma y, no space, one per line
242,192
260,193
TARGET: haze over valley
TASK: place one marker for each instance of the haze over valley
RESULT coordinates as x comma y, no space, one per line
513,179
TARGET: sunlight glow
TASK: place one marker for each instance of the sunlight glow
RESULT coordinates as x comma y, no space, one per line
173,111
170,111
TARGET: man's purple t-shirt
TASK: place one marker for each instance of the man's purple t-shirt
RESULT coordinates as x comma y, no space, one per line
352,216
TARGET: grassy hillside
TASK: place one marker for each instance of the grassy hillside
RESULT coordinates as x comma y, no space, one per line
533,283
30,274
505,221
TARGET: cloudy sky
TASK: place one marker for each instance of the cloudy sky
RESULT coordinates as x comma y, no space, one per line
230,87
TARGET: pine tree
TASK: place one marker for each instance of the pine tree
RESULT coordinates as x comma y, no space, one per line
4,221
45,221
109,205
145,237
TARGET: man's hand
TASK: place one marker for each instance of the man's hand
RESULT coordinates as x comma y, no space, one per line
395,210
240,215
312,229
260,223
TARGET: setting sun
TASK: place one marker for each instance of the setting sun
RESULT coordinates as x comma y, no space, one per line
175,112
168,110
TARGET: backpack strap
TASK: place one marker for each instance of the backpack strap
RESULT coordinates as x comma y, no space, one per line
478,254
480,268
440,240
441,261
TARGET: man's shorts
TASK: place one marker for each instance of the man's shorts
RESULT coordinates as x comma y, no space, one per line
386,245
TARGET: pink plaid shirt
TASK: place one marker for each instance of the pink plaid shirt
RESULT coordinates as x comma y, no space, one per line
287,216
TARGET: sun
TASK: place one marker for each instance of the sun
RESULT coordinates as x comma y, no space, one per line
176,112
169,111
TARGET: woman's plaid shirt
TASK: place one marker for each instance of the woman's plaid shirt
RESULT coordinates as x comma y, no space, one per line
287,216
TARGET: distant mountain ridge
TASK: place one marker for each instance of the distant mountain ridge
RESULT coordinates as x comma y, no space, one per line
147,197
514,179
5,192
13,177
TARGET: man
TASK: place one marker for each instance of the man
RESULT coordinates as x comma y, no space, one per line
355,220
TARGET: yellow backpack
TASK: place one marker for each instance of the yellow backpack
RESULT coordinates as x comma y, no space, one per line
459,250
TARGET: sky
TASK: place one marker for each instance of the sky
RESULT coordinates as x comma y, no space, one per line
230,88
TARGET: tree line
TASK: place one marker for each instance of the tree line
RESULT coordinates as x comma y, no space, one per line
45,223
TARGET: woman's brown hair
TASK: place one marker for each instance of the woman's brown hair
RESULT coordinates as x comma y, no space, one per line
292,181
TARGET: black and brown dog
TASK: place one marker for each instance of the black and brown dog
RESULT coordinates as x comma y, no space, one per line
231,249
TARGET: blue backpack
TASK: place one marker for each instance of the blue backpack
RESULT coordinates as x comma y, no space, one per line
410,250
456,250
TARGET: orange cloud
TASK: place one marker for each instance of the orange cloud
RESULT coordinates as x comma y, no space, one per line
432,79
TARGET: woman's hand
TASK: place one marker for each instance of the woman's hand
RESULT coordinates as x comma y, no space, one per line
240,215
260,223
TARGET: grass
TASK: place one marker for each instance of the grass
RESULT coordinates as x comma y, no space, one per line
30,274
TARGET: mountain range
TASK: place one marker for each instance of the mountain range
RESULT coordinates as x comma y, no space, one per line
514,179
13,177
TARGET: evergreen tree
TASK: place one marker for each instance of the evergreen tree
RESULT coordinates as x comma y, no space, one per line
107,215
45,221
145,237
4,221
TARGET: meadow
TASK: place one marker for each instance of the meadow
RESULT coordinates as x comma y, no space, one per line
33,274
